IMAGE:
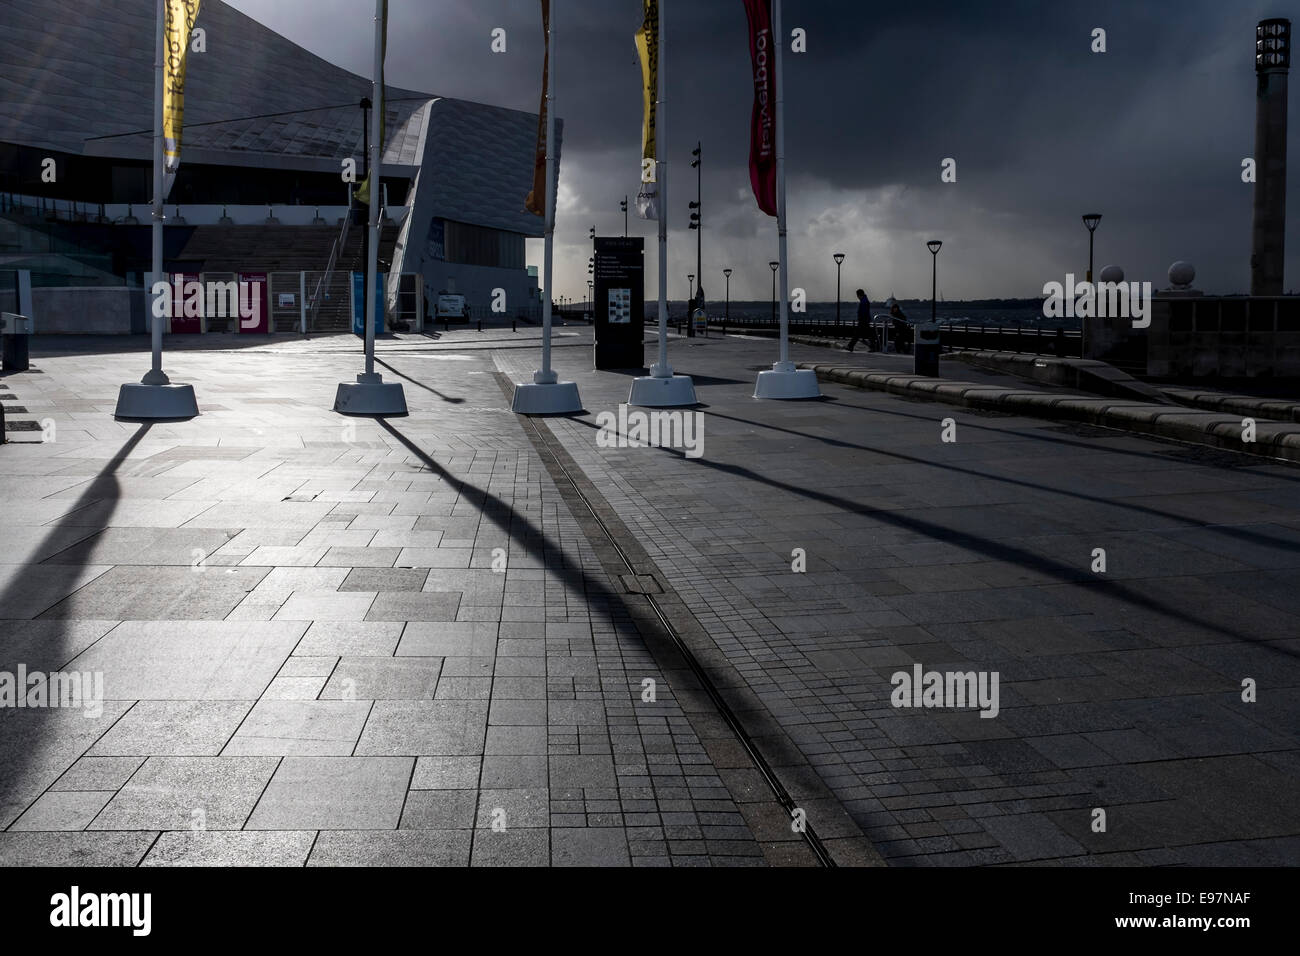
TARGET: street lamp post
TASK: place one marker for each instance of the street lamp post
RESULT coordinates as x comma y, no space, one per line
698,225
690,279
774,266
591,297
839,261
623,206
1090,220
934,245
591,268
727,314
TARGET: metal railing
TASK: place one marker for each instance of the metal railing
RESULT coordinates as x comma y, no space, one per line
954,336
50,209
340,243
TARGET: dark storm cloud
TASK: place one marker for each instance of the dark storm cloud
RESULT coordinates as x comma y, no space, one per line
1151,133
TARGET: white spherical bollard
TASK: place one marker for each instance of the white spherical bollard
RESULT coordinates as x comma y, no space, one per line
1182,274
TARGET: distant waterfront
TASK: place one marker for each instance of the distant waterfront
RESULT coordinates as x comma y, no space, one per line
1005,313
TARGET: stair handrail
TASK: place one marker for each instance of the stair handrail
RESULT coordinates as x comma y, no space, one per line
340,242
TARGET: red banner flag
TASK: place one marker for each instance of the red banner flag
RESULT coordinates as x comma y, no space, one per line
762,125
536,199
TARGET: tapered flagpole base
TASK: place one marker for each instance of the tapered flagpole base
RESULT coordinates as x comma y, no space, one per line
156,398
546,395
370,395
784,382
662,391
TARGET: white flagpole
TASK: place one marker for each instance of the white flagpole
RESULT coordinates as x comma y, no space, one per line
154,396
783,381
156,375
546,394
661,388
376,156
545,375
662,369
777,44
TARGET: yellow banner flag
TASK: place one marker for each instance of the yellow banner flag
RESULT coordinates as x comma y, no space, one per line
363,189
535,202
647,45
180,17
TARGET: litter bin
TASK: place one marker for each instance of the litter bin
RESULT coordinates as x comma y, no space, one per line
925,349
15,332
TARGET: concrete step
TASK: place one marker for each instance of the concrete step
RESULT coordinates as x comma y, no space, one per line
1271,439
1250,406
1099,378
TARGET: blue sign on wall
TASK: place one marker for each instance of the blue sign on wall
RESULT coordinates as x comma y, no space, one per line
359,304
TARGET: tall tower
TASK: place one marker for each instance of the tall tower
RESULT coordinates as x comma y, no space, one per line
1268,239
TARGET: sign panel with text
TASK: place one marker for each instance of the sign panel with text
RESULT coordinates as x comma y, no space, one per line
620,302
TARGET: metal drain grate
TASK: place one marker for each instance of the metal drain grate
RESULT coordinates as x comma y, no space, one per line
640,584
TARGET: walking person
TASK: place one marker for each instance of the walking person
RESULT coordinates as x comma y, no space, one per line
863,331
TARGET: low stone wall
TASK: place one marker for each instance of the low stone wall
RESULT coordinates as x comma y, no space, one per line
1203,336
93,310
1224,337
1113,339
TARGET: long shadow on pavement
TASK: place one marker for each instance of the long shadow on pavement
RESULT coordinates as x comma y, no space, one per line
1052,438
428,388
520,528
19,755
985,546
505,517
1232,531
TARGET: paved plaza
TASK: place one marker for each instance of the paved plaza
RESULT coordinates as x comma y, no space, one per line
463,637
